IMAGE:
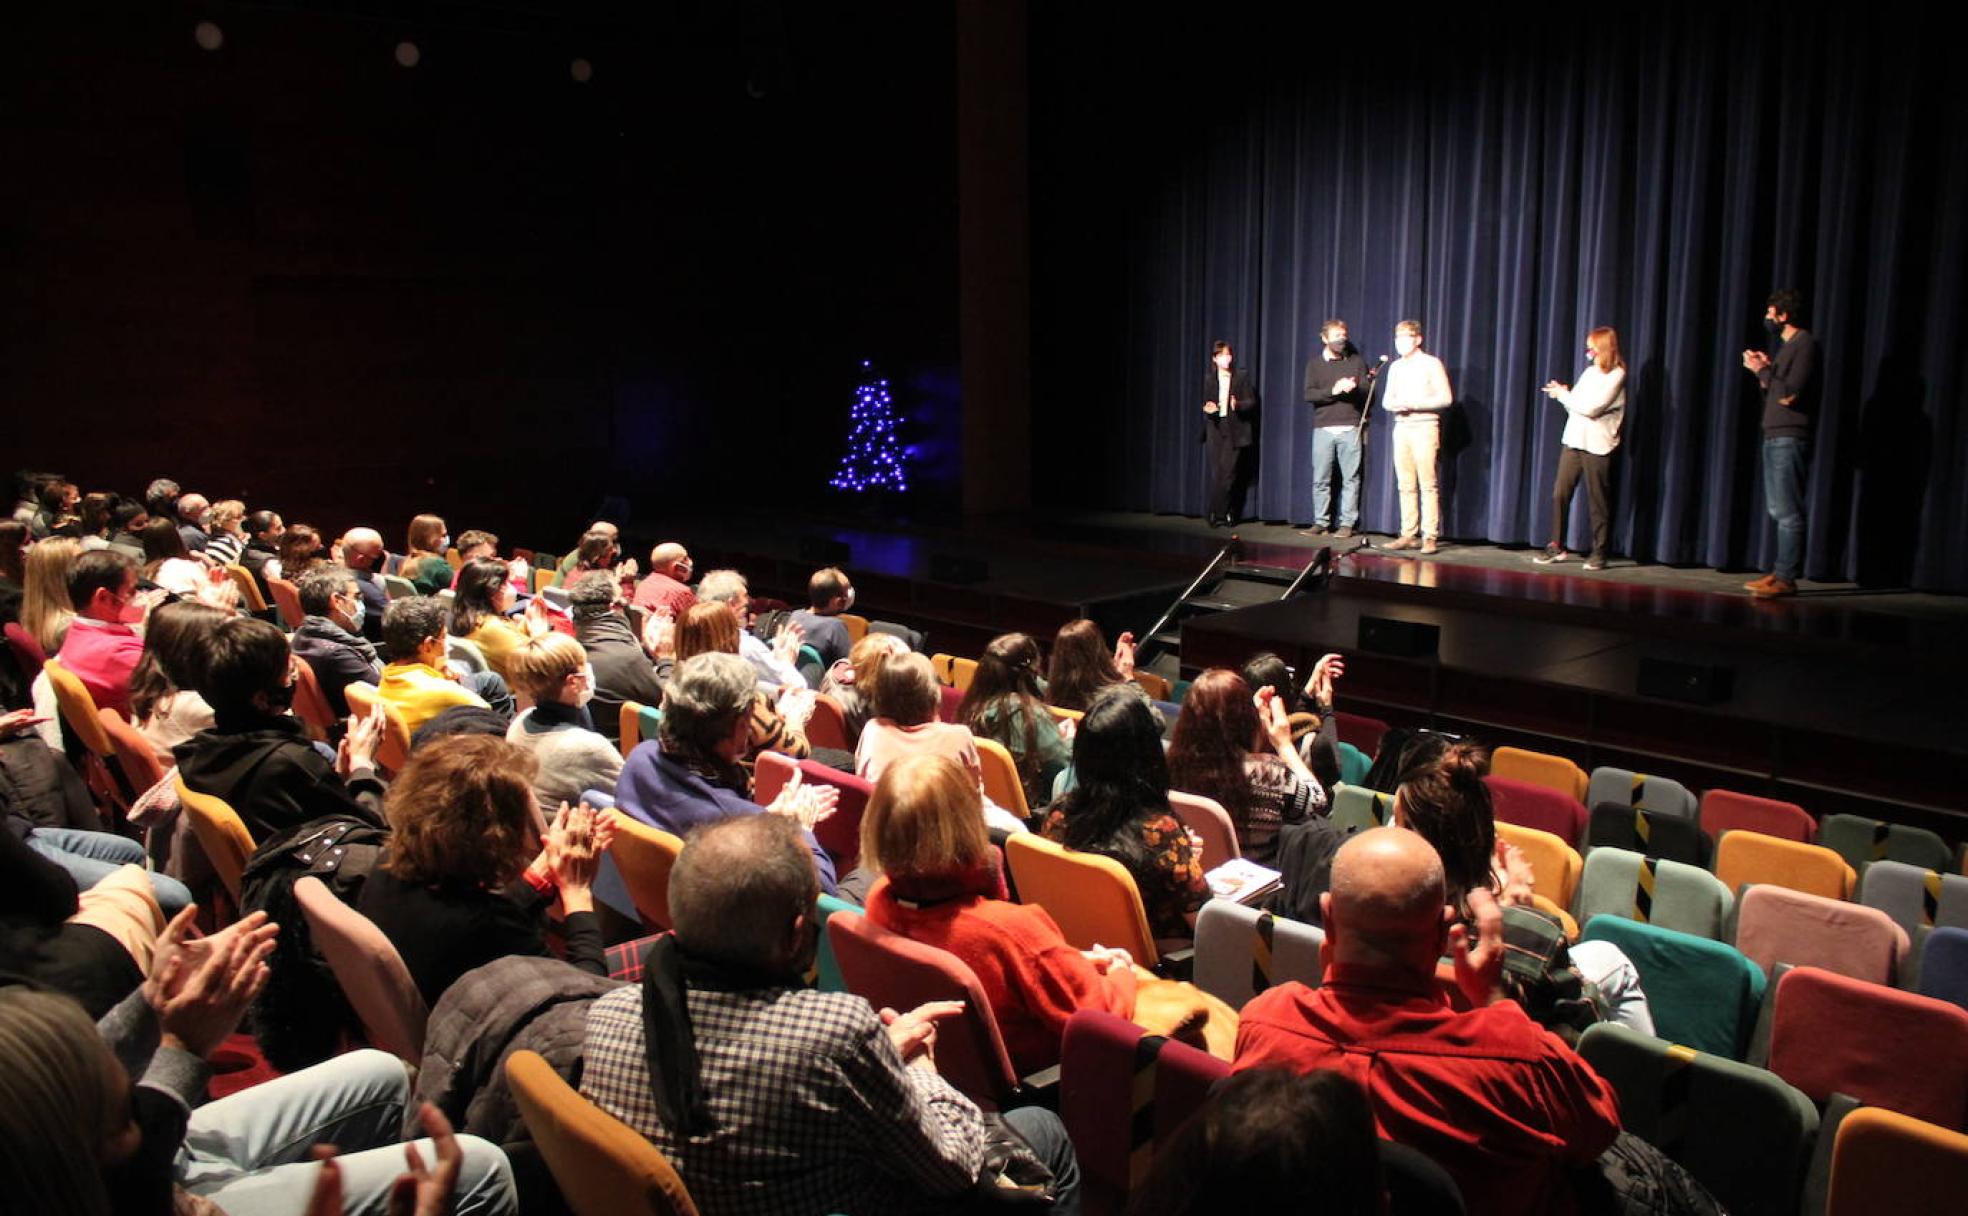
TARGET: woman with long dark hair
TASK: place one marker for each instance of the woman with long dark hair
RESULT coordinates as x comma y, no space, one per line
478,613
1236,747
164,701
1443,799
1005,703
1119,809
1081,665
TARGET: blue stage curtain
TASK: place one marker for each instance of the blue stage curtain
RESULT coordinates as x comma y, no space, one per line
1512,182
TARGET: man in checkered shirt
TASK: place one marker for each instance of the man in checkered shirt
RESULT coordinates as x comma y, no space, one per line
770,1097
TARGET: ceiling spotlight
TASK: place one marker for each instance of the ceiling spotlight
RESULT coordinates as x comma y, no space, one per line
407,54
581,70
208,36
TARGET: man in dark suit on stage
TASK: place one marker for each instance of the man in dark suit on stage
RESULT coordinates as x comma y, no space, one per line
1228,398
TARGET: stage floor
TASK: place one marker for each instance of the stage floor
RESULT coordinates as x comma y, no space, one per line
1085,557
1844,696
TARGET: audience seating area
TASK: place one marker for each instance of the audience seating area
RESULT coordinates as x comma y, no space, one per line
1787,961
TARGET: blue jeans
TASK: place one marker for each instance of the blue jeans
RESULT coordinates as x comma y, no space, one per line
90,857
248,1152
1341,444
1786,467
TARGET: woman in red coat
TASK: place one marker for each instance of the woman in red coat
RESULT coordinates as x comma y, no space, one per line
924,833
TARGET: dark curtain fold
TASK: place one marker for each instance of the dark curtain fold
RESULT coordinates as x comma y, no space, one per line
1512,181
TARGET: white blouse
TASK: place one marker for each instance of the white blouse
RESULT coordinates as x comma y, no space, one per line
1593,410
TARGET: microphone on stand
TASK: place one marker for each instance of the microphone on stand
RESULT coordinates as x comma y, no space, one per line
1360,431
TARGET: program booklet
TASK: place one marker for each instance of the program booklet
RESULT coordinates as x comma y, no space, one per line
1243,881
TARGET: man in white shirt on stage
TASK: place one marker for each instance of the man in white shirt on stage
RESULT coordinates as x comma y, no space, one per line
1417,393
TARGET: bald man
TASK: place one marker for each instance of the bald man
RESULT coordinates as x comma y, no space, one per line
363,553
667,584
1500,1103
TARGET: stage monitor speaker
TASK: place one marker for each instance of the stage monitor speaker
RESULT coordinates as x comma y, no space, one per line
825,551
1401,639
951,568
1693,683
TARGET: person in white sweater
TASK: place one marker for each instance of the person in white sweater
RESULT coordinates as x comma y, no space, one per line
552,672
1417,393
1593,410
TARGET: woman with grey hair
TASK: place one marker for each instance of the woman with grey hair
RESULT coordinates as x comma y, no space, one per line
690,773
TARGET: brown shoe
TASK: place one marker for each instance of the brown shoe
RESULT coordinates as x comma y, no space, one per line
1429,545
1401,542
1343,532
1758,584
1774,588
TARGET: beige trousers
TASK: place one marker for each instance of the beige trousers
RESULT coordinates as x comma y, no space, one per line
1416,441
122,906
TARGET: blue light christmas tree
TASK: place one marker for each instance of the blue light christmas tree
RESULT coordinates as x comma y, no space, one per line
875,454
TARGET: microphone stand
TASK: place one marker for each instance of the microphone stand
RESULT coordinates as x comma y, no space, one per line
1360,432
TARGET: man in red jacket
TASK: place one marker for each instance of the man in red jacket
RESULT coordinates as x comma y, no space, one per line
1500,1103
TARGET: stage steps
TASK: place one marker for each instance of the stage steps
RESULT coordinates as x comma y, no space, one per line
1225,585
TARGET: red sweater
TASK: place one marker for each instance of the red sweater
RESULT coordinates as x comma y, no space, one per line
1034,978
1498,1102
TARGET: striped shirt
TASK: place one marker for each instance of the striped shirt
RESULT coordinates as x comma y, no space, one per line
810,1108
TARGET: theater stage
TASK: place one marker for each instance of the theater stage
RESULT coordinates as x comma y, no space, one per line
1841,698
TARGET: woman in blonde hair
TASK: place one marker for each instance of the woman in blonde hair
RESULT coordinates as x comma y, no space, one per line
551,675
1594,408
924,834
849,681
45,608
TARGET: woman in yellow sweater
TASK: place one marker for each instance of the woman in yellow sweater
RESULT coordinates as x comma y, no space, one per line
478,614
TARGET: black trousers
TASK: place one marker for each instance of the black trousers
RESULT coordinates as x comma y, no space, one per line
1223,458
1598,474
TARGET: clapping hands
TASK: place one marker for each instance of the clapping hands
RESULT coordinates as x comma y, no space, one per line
659,633
1325,673
201,985
804,804
786,643
1124,654
358,747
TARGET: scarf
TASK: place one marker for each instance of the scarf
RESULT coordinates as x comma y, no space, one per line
669,971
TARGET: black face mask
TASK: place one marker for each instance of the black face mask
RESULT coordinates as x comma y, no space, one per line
1773,325
280,700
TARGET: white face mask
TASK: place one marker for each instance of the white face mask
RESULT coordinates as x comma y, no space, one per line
850,599
587,685
1405,344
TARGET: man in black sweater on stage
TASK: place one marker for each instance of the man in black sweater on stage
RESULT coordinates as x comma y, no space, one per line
1790,398
1336,387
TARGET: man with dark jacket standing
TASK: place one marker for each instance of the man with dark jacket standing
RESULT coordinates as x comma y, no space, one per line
1790,398
1228,399
1336,388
